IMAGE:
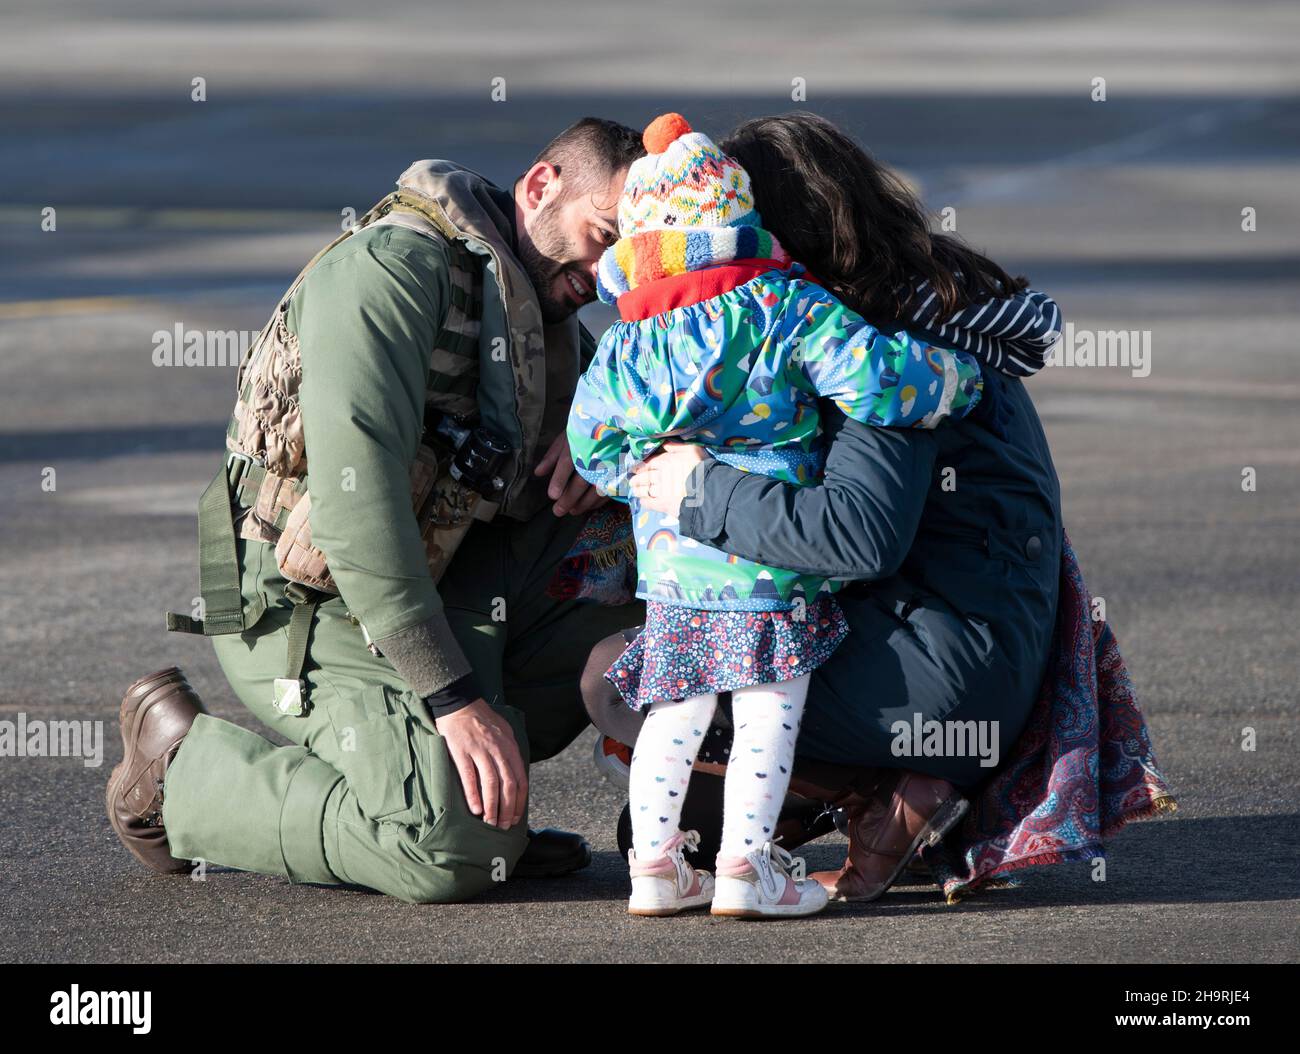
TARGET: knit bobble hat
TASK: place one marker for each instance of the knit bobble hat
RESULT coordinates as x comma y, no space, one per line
684,181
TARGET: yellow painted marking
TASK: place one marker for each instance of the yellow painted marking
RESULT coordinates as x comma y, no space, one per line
71,305
72,217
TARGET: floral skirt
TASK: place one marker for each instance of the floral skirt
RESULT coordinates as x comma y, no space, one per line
683,652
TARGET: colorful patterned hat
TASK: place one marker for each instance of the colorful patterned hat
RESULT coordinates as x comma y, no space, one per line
684,181
685,206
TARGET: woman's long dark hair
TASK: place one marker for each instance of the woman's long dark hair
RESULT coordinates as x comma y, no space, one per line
854,224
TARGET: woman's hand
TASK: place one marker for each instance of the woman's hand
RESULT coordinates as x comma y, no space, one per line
663,481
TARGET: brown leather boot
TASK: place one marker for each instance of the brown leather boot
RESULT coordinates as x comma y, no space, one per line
821,790
157,712
885,835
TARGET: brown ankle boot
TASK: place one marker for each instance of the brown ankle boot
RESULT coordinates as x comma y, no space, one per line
885,835
157,712
820,791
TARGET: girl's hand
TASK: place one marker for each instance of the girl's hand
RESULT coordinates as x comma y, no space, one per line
663,481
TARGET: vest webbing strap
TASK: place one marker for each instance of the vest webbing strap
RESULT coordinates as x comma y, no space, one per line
443,383
224,610
287,692
299,631
223,602
290,689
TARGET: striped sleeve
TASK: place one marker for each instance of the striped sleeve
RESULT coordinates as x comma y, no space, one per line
1015,335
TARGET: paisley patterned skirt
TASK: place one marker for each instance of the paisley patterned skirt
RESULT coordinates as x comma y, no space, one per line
683,652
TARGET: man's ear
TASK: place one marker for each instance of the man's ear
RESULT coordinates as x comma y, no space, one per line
540,184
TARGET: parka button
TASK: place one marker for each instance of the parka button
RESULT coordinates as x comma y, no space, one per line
1034,547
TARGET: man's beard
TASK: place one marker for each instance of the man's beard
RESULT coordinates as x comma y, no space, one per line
538,252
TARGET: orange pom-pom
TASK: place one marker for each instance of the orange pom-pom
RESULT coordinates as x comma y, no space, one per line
663,131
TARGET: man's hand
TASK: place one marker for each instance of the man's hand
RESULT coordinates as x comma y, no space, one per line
492,771
571,493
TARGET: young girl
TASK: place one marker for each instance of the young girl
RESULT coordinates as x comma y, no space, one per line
724,341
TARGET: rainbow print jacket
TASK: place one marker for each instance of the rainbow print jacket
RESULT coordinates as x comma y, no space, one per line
740,372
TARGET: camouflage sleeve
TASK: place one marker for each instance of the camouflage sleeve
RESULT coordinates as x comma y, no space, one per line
365,318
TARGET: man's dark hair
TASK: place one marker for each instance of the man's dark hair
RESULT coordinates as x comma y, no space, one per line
590,151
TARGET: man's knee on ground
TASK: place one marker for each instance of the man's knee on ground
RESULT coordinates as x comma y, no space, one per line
430,884
465,860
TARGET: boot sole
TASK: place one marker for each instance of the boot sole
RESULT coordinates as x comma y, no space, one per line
134,710
946,817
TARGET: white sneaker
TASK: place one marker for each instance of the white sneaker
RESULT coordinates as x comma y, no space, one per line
759,886
667,884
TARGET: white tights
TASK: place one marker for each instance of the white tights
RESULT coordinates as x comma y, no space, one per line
766,719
